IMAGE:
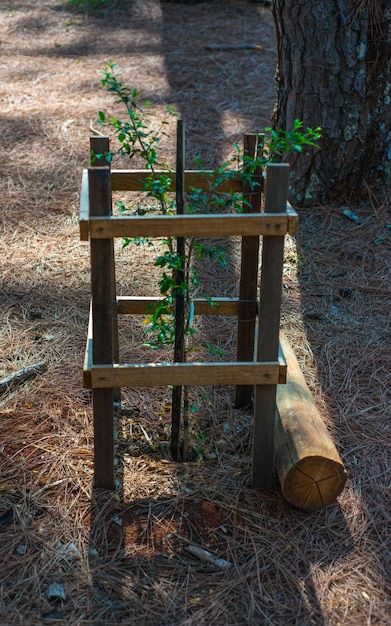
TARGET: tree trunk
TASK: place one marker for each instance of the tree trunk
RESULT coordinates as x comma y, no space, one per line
334,71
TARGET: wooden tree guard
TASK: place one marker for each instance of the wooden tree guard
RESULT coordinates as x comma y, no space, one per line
308,465
260,366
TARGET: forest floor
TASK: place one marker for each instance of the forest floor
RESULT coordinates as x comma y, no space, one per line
69,555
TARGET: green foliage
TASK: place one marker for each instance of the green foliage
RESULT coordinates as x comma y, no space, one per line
138,139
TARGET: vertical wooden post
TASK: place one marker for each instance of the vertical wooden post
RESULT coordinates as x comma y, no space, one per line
101,146
102,325
276,192
248,272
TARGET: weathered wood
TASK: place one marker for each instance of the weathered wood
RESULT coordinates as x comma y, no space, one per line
15,379
100,148
213,225
205,555
87,365
134,180
164,374
248,284
142,305
307,462
276,191
87,368
292,219
84,208
102,328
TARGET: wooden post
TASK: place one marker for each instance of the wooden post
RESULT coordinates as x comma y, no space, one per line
101,146
248,272
102,324
276,192
308,465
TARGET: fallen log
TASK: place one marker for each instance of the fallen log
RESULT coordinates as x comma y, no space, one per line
307,462
17,378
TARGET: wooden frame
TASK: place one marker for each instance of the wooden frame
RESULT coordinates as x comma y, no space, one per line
260,363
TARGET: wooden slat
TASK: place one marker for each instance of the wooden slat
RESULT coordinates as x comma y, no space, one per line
88,355
164,374
248,284
293,219
87,368
101,146
283,363
134,180
291,226
138,305
102,331
189,225
269,329
84,208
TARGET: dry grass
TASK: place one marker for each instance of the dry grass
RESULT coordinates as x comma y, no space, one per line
121,559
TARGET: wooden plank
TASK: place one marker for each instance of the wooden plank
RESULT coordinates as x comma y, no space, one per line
307,462
84,208
213,225
164,374
134,180
269,329
87,378
283,364
87,366
101,146
248,284
102,329
293,219
138,305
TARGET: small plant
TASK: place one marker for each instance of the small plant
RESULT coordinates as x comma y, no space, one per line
137,139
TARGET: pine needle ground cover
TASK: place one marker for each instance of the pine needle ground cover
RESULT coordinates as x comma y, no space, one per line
72,556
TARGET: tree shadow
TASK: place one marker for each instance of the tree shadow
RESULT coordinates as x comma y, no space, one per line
344,308
208,58
140,559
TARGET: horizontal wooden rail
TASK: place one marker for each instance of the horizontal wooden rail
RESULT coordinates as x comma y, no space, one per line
189,225
136,375
164,374
142,305
196,225
134,180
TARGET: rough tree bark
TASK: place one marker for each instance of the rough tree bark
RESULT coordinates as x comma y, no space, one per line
334,71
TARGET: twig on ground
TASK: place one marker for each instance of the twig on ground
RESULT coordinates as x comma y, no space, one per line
19,377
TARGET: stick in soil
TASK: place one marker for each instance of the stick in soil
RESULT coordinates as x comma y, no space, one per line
179,345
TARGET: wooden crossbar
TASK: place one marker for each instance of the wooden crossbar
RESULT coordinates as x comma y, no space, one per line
134,180
178,374
142,305
189,225
211,225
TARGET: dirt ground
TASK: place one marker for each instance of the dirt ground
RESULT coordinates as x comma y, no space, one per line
69,555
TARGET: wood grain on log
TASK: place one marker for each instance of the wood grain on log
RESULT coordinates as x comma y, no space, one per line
307,462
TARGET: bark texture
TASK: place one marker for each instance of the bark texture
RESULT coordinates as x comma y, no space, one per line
334,71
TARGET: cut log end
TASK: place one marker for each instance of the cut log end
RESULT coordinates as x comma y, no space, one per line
314,482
